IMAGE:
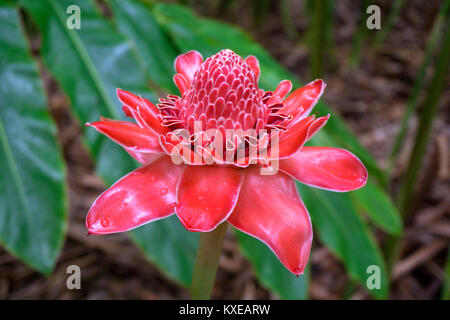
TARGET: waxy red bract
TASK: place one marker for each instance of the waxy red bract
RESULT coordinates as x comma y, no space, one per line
205,188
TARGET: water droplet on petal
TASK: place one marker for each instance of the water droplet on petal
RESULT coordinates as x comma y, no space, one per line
104,222
173,205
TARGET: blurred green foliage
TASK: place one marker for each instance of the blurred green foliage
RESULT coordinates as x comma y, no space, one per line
33,195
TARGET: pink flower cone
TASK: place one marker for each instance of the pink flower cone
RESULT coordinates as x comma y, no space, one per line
203,154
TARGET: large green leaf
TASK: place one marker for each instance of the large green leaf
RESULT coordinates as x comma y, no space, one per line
342,229
154,47
372,199
190,32
270,272
33,199
379,207
349,226
90,64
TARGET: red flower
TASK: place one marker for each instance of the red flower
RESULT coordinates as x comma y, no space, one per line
179,143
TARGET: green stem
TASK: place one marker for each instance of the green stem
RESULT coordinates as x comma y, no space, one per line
405,196
425,124
418,84
207,261
351,286
225,6
360,37
287,21
260,9
446,286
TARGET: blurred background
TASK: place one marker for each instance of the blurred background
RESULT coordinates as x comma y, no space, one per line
387,89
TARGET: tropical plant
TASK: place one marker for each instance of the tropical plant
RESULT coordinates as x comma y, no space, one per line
133,48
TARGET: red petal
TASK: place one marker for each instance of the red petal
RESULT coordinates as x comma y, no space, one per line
142,196
294,138
181,82
327,168
135,101
316,125
135,115
305,97
136,140
188,63
128,98
143,111
149,120
283,88
207,196
271,210
253,62
179,151
127,110
297,135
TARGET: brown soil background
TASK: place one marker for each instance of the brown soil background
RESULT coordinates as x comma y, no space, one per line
371,99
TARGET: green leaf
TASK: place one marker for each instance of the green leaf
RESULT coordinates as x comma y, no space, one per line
372,199
379,207
343,231
154,47
270,272
190,32
420,80
33,199
170,246
341,137
90,64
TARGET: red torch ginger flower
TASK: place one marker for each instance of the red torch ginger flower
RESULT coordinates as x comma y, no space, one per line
202,155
